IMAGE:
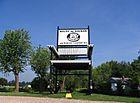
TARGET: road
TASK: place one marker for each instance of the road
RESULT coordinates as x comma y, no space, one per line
19,99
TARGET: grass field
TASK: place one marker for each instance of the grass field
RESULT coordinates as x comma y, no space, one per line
76,95
98,97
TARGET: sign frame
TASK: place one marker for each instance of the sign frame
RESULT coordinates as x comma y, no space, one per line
81,34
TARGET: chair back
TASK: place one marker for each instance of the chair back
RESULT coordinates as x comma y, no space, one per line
73,41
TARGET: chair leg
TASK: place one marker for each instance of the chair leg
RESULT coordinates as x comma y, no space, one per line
89,82
56,86
50,86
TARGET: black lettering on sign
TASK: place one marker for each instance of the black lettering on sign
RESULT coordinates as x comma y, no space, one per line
73,37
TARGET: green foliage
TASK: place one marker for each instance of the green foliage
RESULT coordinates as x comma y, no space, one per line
74,81
125,69
15,50
39,84
40,64
135,71
3,81
40,61
7,89
105,71
26,88
102,73
11,83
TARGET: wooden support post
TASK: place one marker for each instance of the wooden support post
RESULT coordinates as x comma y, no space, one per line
56,89
51,68
90,86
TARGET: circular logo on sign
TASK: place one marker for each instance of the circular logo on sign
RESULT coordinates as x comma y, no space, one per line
73,37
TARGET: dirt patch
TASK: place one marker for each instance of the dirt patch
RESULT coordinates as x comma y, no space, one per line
19,99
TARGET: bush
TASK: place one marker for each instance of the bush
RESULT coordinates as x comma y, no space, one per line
135,93
26,88
3,81
6,89
39,84
103,88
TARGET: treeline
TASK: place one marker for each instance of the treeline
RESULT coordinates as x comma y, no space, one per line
110,69
126,74
5,82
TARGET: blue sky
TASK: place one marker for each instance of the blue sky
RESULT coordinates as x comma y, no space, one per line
114,25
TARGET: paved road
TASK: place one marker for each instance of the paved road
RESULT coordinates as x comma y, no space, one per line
18,99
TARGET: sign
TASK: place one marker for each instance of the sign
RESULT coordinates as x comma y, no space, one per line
73,37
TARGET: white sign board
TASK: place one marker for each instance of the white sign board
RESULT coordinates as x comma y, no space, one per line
73,37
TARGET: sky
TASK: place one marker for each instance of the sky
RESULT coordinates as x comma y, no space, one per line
114,25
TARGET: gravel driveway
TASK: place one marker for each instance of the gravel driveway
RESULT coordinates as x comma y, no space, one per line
18,99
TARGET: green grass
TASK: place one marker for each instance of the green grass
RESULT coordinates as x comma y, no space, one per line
76,95
101,97
97,97
35,94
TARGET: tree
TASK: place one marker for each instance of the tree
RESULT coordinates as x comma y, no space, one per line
102,73
15,53
115,67
40,60
111,69
135,71
36,84
3,81
11,83
125,69
76,81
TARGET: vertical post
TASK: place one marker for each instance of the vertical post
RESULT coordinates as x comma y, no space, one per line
56,81
51,68
90,77
57,36
88,35
89,81
50,87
